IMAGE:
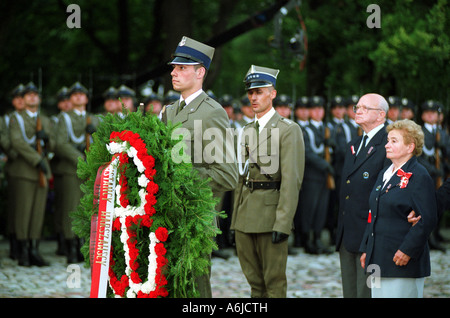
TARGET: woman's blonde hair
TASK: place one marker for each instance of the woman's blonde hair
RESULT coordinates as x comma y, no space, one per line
411,132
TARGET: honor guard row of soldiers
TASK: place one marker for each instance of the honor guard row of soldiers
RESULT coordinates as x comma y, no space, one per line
318,201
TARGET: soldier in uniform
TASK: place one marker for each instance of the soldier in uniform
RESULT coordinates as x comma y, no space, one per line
71,132
11,154
111,104
342,135
301,111
247,111
266,199
127,96
394,109
30,171
283,105
64,105
195,108
408,109
314,196
434,147
153,104
354,127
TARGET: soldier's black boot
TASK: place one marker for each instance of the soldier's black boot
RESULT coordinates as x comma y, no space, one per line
35,257
23,257
80,243
13,247
71,250
61,249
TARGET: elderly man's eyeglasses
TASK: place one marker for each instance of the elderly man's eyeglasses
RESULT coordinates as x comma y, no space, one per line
364,109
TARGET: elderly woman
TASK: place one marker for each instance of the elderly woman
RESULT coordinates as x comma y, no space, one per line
395,252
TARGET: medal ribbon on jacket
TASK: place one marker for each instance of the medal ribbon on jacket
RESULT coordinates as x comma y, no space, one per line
404,178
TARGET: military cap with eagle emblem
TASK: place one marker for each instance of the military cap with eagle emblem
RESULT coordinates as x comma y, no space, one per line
191,52
258,76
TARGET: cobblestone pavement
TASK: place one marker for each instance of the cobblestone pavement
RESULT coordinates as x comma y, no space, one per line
308,276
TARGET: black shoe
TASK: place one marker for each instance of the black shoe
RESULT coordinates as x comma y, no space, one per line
80,243
35,257
23,257
321,248
221,254
72,253
61,249
13,247
310,248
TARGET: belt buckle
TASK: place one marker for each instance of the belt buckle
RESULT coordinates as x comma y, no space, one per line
249,185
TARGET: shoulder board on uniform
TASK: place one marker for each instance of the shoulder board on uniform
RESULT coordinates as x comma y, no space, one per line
211,102
286,121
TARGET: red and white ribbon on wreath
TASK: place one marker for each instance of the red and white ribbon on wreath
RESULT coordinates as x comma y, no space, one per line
124,146
101,226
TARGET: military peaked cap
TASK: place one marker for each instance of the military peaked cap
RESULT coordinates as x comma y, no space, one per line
77,88
191,52
258,76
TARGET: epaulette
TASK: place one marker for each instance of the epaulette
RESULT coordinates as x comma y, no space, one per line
287,121
211,102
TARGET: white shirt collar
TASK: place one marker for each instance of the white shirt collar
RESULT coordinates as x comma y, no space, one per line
302,123
390,172
373,132
191,97
265,119
82,113
316,124
429,127
31,114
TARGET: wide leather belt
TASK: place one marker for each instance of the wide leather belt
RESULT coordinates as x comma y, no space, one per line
255,185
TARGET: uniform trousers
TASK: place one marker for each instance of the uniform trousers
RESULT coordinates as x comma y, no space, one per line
313,204
263,263
354,278
71,195
392,287
58,186
12,192
29,208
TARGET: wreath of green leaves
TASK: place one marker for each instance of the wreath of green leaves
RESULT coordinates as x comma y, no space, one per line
185,203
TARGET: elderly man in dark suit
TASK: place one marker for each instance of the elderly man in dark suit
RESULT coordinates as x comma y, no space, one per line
365,157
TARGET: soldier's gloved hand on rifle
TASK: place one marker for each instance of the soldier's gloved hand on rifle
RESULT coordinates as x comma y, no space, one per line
42,135
278,237
90,129
42,166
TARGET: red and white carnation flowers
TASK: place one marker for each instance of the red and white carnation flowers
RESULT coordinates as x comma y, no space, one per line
129,147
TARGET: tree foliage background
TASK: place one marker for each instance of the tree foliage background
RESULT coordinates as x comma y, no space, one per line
130,42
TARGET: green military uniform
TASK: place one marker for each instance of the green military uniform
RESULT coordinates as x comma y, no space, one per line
266,196
11,154
25,169
70,137
61,95
200,114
